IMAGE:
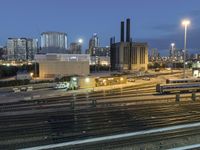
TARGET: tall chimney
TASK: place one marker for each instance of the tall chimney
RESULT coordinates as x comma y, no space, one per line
128,34
122,31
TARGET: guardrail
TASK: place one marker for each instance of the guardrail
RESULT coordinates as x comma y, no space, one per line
115,137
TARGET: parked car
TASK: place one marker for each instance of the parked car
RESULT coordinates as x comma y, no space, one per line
146,78
131,80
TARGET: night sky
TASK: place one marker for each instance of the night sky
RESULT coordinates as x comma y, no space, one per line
157,22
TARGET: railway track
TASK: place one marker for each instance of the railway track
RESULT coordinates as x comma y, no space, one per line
54,120
112,121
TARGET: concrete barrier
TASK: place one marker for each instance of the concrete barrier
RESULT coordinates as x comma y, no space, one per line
36,96
27,98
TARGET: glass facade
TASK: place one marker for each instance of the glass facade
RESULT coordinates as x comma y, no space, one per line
53,40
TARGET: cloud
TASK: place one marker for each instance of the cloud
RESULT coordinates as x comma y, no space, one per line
194,13
165,27
163,42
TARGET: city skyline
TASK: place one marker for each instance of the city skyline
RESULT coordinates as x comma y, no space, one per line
102,17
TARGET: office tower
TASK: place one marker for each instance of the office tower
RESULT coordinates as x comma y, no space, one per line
102,51
128,55
16,49
53,42
32,48
21,49
93,44
154,54
75,48
1,52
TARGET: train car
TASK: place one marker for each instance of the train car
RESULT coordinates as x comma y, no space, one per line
189,80
174,88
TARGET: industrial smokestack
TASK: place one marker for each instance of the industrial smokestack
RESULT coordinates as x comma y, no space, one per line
122,31
128,34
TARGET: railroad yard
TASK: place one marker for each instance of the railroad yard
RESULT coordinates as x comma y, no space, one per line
80,120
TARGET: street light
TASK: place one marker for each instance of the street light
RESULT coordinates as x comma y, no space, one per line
80,41
31,74
87,80
172,53
185,23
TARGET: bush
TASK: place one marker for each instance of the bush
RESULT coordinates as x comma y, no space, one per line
14,83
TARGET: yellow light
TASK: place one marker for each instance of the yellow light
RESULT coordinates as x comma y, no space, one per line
104,63
186,22
31,74
87,80
121,79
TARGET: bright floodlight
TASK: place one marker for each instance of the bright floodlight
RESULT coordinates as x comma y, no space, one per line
172,44
80,41
31,74
186,22
87,80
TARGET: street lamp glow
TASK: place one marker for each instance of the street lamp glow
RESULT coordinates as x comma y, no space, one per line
80,41
31,74
172,51
186,22
87,80
74,78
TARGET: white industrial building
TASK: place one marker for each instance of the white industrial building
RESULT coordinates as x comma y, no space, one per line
53,65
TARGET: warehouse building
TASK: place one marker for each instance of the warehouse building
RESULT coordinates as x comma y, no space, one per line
58,65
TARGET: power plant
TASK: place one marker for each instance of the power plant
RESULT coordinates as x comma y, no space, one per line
128,55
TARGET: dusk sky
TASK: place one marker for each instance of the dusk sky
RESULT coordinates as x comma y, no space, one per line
157,22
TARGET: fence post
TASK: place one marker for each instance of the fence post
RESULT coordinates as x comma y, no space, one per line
193,96
94,103
177,97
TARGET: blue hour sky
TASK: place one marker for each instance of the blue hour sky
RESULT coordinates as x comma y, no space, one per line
157,22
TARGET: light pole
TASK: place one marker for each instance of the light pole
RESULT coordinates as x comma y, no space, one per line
172,55
172,52
185,23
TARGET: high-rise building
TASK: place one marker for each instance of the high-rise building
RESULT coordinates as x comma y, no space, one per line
53,42
154,54
20,49
128,55
93,44
32,48
1,52
16,49
178,55
75,48
100,51
10,51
